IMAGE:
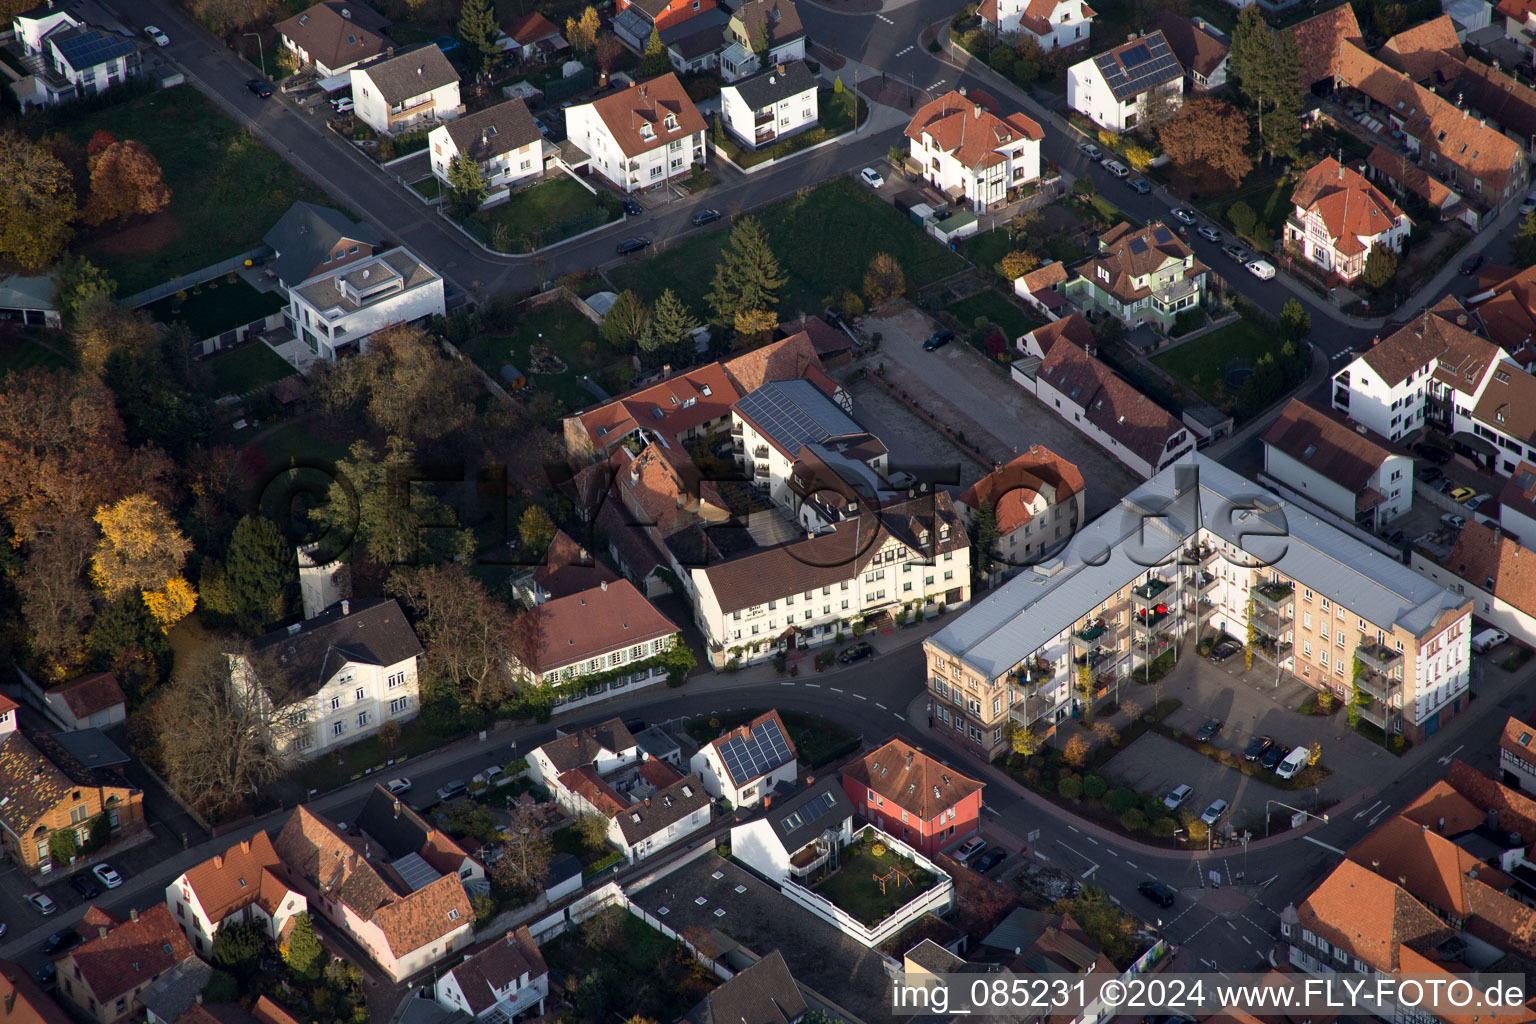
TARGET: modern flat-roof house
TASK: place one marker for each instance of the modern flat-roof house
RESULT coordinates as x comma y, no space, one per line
640,137
1038,499
1052,24
335,36
1140,275
334,678
1114,88
103,977
29,300
503,140
912,796
1339,217
335,313
1227,554
770,105
405,89
247,883
1346,468
746,763
969,150
789,837
761,33
67,58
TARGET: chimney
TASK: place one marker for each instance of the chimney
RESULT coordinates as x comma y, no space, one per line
810,780
346,606
101,931
1402,880
133,915
389,51
666,370
1493,818
199,998
1440,826
909,759
346,12
218,861
1375,865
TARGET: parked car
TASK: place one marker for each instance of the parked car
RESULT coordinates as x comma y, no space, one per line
260,88
705,217
1157,892
82,884
1214,813
59,941
398,787
1117,168
1487,640
1209,234
633,245
107,875
1429,474
1478,502
156,36
1090,151
634,725
938,339
1272,757
872,178
1176,796
488,776
1185,216
1209,730
1434,453
633,208
970,848
989,860
1256,747
1236,253
42,903
1462,495
343,105
1224,650
858,652
1141,186
1528,204
47,975
1261,269
1470,265
456,788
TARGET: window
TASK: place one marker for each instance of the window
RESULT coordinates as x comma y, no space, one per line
338,728
637,652
398,679
362,719
399,704
335,703
352,251
361,693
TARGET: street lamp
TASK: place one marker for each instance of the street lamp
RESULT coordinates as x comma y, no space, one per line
261,52
1322,818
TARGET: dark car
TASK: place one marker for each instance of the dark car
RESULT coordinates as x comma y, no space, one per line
630,245
1272,757
858,652
705,217
1434,453
1224,650
1429,474
633,208
1256,748
1211,727
938,339
59,941
1141,186
81,883
1470,265
635,725
989,860
260,88
47,975
1157,892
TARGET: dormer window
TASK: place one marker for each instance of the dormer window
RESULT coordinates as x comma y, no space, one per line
943,531
671,122
646,132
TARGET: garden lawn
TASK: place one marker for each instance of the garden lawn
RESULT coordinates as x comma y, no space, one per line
986,249
997,309
216,306
227,189
243,369
549,212
428,187
565,331
366,757
824,239
640,966
1200,364
19,352
853,886
566,840
295,441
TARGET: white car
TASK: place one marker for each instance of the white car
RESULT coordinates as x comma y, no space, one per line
342,105
1116,168
1214,812
160,38
107,876
1090,151
1184,216
398,786
872,178
970,848
489,775
1175,799
1261,269
42,903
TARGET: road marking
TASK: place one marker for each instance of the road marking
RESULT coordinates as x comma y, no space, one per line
882,707
1368,810
1114,901
834,689
858,695
1379,813
814,686
1042,856
1319,842
1073,828
903,53
883,18
1133,867
1090,871
1250,943
1448,757
1092,840
900,716
1231,925
786,684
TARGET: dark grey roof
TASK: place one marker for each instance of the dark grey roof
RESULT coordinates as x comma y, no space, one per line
802,817
494,130
374,633
650,8
1136,66
657,743
306,233
1020,929
92,748
666,806
562,867
793,413
170,995
769,87
85,46
934,958
703,33
634,22
764,993
410,72
392,824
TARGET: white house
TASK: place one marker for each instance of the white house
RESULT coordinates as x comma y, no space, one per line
969,151
1145,275
247,883
503,140
1344,467
93,701
68,58
796,834
784,422
642,136
1200,48
1517,754
1038,500
771,105
1494,571
746,763
1052,24
532,36
335,36
402,91
1113,88
1339,217
606,746
760,34
334,678
335,313
506,978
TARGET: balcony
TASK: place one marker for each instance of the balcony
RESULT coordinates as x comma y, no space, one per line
808,858
1147,620
406,113
1155,646
760,452
1273,624
1095,634
1147,594
1379,686
1377,713
1379,657
1098,660
1274,596
1201,555
1032,709
1202,582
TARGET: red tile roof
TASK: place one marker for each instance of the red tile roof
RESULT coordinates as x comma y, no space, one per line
1110,403
1519,739
1320,439
130,953
87,695
238,877
1071,328
586,745
1013,488
1320,39
905,776
1368,916
529,29
970,130
1509,314
497,968
1195,48
786,359
649,103
1517,812
673,406
590,624
1436,871
568,568
1401,169
1419,51
586,783
1352,209
1126,253
337,34
1445,810
23,1002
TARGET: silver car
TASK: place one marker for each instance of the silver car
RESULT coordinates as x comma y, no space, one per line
1214,813
1175,799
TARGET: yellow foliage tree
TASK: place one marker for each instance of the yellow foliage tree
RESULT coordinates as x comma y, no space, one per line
1077,750
884,280
1140,157
141,547
1024,740
753,323
1017,263
1314,754
582,34
172,602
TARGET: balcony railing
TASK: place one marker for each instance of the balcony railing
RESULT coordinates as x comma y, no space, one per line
1201,555
1096,634
1379,657
1202,581
1097,660
404,113
1144,621
760,452
1377,713
1273,624
1377,685
1146,595
1274,595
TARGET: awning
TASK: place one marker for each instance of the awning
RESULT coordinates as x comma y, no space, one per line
1473,443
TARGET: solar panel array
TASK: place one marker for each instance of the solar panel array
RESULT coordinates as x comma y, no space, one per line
1162,234
796,412
755,754
1138,246
92,47
1138,54
1139,67
813,811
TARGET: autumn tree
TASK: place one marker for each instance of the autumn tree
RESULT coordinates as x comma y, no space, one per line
1076,751
525,856
1208,135
884,280
592,830
655,61
478,29
302,951
626,321
142,548
126,180
253,584
748,276
1380,265
582,33
535,529
37,203
608,51
466,634
103,329
755,325
78,283
1522,247
1016,264
1155,107
528,645
404,383
54,596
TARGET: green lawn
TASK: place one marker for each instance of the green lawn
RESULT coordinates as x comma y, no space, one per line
853,886
635,971
549,212
428,187
824,239
295,441
250,366
366,757
566,840
986,249
227,189
19,351
565,331
216,306
999,310
835,116
1200,364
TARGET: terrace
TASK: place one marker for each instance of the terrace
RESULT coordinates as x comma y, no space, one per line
1145,620
1203,581
1379,657
1095,634
873,880
1274,595
1146,595
1274,624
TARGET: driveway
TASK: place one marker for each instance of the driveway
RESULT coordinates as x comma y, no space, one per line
957,386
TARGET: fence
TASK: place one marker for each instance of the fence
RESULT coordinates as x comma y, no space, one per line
197,277
236,335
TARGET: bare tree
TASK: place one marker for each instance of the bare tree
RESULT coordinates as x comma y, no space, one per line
526,855
467,634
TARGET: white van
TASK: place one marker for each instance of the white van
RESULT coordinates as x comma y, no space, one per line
1294,762
1261,269
1487,640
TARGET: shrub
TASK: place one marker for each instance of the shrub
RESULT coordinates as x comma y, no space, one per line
1164,827
1070,787
1121,800
1094,786
1242,217
1133,820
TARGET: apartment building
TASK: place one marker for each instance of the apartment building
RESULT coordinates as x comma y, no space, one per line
771,105
969,150
640,137
335,314
1346,468
913,796
1200,549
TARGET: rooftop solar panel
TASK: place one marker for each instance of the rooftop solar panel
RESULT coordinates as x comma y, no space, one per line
1163,235
1138,246
796,412
1138,54
756,754
90,47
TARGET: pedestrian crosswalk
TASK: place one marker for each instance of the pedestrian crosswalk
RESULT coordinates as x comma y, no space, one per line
883,18
903,53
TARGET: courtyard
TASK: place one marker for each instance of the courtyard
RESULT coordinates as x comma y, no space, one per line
873,881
